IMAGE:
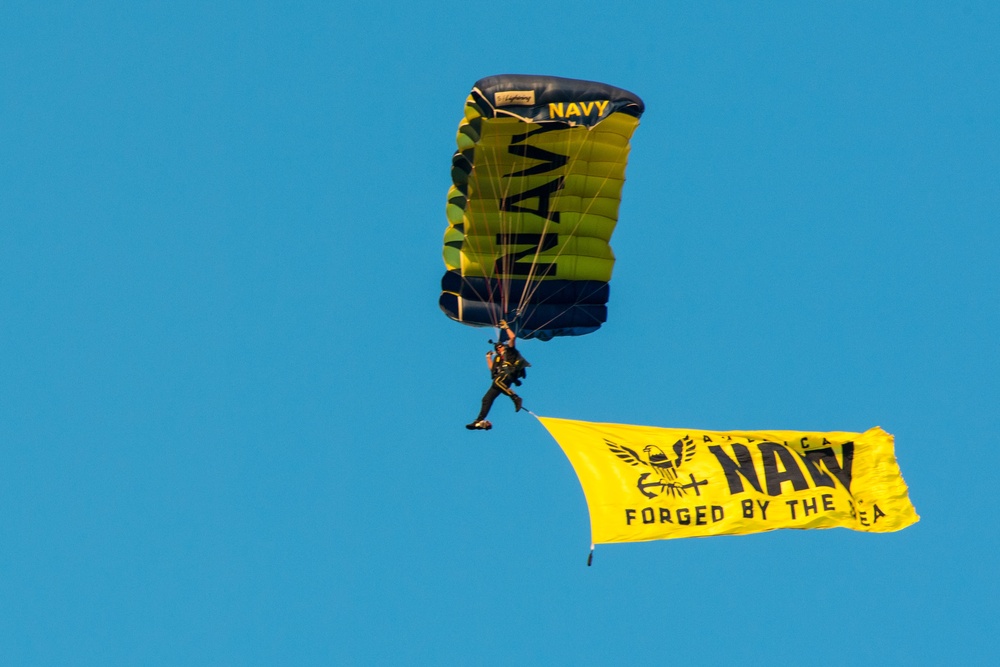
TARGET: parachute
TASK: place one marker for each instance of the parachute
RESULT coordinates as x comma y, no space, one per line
537,181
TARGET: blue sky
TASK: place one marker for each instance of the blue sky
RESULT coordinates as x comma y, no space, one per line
231,413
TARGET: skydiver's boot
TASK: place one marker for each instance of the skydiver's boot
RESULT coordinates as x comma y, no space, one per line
517,402
480,425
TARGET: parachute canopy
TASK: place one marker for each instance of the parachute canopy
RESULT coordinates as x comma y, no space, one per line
537,181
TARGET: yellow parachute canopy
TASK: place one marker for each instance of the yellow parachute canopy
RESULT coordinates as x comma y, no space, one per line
537,181
649,483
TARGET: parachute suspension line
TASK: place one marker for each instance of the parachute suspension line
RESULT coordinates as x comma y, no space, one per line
531,286
499,271
530,289
509,259
499,286
506,277
494,288
487,162
470,240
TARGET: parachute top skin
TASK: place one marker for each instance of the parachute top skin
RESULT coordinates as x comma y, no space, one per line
536,187
545,90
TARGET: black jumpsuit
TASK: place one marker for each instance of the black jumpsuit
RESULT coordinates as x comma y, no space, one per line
503,374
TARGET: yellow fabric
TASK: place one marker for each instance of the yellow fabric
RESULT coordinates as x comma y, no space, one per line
649,483
584,193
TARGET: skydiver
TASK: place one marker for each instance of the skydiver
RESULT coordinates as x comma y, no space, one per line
506,367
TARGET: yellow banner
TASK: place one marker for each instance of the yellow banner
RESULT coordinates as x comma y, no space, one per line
649,483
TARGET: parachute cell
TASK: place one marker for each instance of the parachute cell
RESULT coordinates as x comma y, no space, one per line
537,181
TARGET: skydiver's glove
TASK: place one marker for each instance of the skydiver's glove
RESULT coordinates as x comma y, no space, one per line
503,324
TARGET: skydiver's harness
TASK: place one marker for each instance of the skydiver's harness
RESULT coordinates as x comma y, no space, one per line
509,368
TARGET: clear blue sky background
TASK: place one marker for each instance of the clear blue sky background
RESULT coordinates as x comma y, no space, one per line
231,413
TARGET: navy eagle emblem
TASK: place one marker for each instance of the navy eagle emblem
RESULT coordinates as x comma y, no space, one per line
665,466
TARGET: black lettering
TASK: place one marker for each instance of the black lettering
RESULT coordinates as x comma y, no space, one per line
763,508
648,516
733,469
809,506
791,504
550,161
748,509
828,459
717,513
543,193
863,518
773,477
810,460
827,502
665,515
629,517
683,516
878,514
507,265
699,515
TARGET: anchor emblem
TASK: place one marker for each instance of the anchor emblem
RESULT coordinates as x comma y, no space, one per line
668,488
